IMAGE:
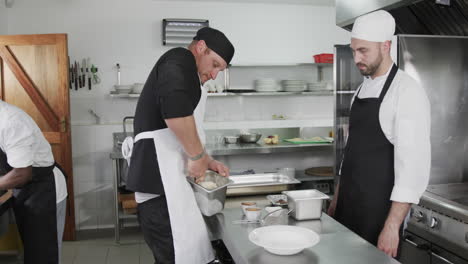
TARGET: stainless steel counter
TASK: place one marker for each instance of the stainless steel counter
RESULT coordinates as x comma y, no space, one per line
337,243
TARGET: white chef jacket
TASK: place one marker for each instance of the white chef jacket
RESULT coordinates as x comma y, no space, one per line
25,145
406,122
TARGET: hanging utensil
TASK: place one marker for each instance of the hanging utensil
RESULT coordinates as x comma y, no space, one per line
75,70
118,74
88,72
83,72
94,71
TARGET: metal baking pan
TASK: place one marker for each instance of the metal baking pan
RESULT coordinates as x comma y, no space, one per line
265,179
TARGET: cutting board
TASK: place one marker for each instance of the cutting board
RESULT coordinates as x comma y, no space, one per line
314,140
320,171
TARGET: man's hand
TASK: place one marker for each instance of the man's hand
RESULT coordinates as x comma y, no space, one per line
219,167
390,235
331,208
388,240
197,169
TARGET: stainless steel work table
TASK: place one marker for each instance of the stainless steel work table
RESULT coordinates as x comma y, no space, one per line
337,243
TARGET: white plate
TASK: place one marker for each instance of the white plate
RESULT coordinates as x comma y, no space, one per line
284,239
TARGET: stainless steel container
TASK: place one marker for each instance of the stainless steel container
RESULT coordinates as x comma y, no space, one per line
211,201
250,137
305,204
231,139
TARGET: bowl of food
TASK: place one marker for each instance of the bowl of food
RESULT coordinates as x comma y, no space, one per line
250,137
210,193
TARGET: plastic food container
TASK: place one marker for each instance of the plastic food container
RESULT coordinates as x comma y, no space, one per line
210,201
305,204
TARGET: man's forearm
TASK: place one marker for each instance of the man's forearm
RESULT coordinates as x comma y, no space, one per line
185,130
397,214
15,178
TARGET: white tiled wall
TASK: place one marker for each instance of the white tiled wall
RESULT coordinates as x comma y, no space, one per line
93,175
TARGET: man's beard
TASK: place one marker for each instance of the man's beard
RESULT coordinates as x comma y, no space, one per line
372,68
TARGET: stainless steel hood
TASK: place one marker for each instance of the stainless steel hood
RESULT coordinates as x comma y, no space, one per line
424,17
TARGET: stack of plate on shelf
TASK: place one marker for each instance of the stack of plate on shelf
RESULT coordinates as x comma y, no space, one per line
265,85
293,85
319,86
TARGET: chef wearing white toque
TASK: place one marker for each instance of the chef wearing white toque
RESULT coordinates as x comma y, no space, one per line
386,162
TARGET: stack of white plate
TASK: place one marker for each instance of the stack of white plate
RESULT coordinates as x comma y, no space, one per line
319,86
293,85
265,85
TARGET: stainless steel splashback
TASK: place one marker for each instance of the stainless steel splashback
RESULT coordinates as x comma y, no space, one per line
440,64
427,17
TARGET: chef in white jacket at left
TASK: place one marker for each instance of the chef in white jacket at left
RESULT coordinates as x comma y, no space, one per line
39,188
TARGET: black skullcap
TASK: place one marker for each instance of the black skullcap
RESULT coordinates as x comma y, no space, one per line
216,41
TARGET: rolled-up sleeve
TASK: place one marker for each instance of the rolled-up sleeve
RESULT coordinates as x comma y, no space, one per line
411,143
18,143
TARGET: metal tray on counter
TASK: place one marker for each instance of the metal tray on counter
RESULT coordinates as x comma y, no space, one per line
259,183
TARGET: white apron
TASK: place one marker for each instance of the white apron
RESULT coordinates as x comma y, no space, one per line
190,235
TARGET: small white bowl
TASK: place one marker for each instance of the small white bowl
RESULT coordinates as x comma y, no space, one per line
123,89
138,87
247,204
253,213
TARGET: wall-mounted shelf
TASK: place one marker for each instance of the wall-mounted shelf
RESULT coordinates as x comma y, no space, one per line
281,65
287,123
238,149
316,93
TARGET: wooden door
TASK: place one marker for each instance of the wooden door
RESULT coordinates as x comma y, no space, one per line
34,77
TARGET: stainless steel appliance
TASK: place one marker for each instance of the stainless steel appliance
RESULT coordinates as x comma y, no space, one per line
426,17
438,227
347,79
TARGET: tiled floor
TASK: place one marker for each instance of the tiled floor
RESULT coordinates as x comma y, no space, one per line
98,247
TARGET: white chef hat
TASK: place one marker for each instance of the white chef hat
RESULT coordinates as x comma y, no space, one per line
378,26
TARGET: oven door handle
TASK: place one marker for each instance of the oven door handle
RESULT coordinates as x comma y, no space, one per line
441,258
416,245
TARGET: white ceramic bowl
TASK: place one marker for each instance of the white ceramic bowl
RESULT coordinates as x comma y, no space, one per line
123,89
138,87
253,213
284,239
247,204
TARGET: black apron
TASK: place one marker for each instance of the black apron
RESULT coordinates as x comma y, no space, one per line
367,173
35,206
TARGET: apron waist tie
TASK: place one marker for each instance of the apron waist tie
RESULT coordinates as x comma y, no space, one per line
127,144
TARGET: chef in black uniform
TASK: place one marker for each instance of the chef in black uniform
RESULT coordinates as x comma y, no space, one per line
387,157
168,144
27,166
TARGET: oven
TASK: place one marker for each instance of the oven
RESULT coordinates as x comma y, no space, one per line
437,231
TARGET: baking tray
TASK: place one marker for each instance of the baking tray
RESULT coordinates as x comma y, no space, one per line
315,140
264,179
